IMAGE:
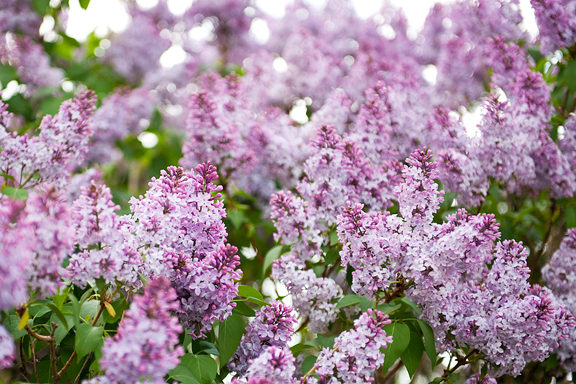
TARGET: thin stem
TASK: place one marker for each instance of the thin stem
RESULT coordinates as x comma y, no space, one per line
55,375
34,358
460,362
81,369
540,252
311,371
103,299
393,371
23,367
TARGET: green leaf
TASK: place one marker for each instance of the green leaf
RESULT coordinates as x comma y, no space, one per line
400,339
570,76
58,314
87,339
236,217
60,299
348,300
75,309
84,4
308,363
247,291
388,308
413,354
15,193
412,305
11,324
271,255
202,366
243,309
366,304
183,375
429,341
209,348
7,74
331,256
229,334
325,342
334,238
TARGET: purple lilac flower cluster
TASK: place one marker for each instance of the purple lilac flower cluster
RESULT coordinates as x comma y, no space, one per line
556,24
471,291
179,230
106,246
313,297
356,354
146,345
55,152
273,325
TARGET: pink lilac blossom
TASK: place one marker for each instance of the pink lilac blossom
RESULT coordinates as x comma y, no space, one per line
356,354
137,50
231,23
179,231
123,113
146,345
15,254
105,249
556,23
476,379
313,297
275,366
31,62
19,16
206,289
273,325
180,213
56,151
471,291
336,172
7,349
47,216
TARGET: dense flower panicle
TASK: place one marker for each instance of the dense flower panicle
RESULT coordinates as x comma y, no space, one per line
313,297
32,63
7,349
19,16
273,325
206,289
476,379
471,291
56,151
335,111
556,23
107,249
137,50
179,213
146,345
275,365
356,354
48,217
15,254
560,273
82,180
459,168
418,197
123,113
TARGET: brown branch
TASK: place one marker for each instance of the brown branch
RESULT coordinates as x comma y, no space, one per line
311,371
461,361
34,358
69,362
55,375
393,371
81,369
540,252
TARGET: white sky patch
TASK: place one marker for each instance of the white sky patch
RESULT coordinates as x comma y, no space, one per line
110,14
471,119
429,73
173,56
148,139
298,112
178,7
259,30
280,65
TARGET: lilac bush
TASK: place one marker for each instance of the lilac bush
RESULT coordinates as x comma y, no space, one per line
345,200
